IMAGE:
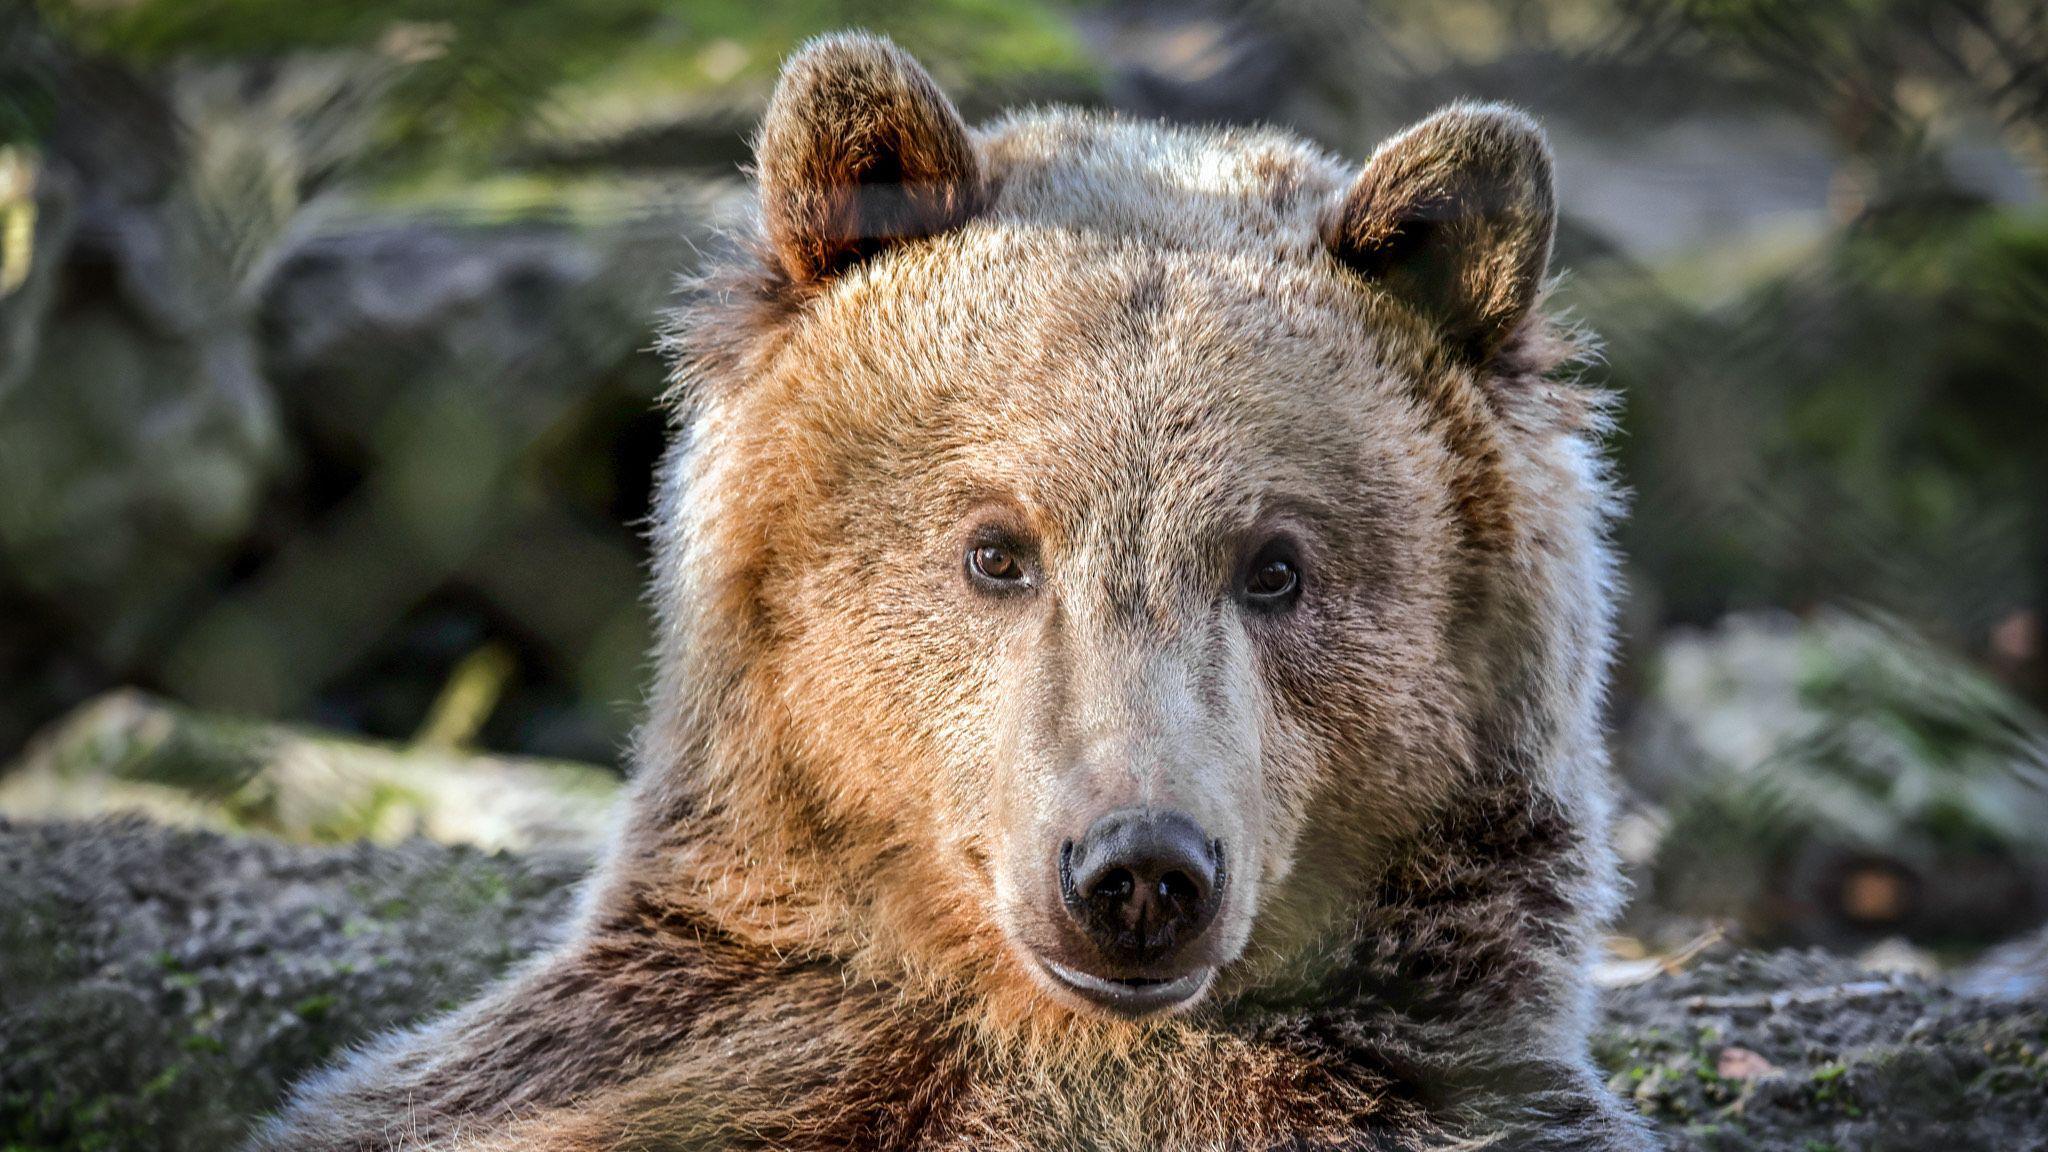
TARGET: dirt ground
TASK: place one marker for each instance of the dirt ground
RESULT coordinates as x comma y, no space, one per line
1808,1053
162,988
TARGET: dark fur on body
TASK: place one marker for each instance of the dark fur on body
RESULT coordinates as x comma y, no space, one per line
1399,1049
754,966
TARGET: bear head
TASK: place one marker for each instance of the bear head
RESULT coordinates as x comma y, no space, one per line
1092,549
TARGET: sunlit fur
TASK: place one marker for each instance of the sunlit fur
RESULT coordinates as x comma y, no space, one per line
1142,346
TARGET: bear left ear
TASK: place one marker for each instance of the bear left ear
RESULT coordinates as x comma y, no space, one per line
1455,217
859,150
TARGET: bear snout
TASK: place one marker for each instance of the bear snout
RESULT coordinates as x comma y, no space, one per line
1142,884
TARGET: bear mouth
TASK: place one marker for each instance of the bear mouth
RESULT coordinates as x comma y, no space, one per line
1130,996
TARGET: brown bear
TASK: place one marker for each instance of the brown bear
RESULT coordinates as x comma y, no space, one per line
1133,608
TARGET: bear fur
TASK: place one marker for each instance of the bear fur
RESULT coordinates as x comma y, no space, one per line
1132,348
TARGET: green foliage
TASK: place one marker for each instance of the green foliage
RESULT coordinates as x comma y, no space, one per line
1811,747
476,73
28,99
1865,426
1894,71
1907,741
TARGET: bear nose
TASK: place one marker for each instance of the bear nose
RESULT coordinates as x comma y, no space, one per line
1142,884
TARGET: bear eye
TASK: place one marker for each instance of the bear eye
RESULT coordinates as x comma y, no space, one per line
1273,578
996,566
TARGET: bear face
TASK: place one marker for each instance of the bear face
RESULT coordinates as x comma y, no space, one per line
1024,587
1096,503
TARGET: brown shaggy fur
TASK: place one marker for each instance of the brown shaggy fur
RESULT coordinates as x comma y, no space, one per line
1136,350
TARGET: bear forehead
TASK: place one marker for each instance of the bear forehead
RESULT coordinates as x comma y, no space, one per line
1078,343
1102,381
1244,189
1117,250
1139,304
1139,251
1075,342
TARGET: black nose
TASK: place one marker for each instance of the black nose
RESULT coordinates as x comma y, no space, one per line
1142,884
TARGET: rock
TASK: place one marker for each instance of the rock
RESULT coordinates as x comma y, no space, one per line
369,308
142,963
254,416
433,369
1197,63
136,431
128,753
1808,1051
164,987
2015,970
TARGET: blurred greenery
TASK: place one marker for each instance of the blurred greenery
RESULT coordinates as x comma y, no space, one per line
1889,72
1878,412
469,75
1840,747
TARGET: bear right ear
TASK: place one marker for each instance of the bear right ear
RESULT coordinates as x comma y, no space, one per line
1454,217
859,151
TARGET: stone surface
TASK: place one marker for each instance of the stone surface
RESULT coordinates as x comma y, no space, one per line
1809,1052
163,987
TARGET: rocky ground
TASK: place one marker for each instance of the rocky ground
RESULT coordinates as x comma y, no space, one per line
162,987
1805,1052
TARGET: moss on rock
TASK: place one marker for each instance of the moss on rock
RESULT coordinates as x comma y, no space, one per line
164,987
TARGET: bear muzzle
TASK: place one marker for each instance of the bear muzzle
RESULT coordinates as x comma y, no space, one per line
1141,886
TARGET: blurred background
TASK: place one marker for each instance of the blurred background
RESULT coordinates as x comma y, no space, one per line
327,396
